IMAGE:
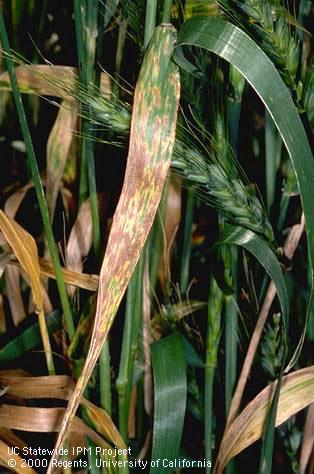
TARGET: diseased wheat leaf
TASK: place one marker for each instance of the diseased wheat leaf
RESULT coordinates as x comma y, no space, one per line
58,148
150,149
45,80
297,392
59,387
25,250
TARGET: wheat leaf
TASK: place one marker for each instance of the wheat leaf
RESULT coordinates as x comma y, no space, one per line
59,387
45,80
297,392
150,149
25,250
236,47
86,281
170,388
58,148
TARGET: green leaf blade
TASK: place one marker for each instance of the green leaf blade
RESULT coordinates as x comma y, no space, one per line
236,47
28,339
170,389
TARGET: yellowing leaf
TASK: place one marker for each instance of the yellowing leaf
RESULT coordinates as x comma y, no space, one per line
103,424
85,281
296,393
25,250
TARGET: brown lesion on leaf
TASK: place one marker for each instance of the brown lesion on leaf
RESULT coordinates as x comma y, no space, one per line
151,141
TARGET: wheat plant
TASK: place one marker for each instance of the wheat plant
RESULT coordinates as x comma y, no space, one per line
156,236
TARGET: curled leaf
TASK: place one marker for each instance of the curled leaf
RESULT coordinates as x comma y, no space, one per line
297,392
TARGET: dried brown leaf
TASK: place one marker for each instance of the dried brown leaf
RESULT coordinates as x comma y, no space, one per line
61,387
14,293
40,420
25,250
14,201
11,438
170,227
3,326
58,386
80,240
296,393
81,280
4,260
45,80
58,147
81,236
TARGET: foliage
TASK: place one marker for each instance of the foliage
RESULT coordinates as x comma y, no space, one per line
155,194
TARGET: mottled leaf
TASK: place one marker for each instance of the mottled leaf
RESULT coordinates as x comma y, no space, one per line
150,149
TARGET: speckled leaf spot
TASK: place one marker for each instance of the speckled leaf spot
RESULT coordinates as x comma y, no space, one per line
151,143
